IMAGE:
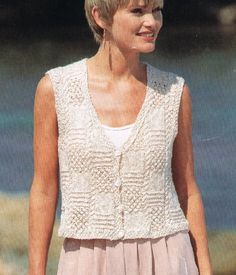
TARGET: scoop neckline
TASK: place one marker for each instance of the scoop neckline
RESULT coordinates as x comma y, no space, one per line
139,118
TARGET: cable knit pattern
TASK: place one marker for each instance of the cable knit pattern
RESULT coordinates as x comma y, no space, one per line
109,193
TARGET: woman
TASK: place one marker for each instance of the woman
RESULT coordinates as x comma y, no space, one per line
120,132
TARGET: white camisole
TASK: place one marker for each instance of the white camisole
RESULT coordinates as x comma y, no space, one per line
118,135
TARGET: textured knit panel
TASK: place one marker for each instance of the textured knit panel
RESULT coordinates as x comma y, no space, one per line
117,193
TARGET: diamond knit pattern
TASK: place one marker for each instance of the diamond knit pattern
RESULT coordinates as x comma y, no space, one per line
109,193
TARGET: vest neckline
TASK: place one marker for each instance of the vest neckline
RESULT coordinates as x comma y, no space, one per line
99,126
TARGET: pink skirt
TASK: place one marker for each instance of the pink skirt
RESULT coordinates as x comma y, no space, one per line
169,255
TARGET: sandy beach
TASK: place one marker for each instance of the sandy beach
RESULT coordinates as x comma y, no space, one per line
14,229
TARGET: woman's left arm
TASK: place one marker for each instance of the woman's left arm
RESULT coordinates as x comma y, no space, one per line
186,187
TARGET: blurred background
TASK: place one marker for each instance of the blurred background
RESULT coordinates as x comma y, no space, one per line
198,41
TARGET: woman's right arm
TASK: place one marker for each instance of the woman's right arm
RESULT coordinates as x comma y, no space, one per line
44,188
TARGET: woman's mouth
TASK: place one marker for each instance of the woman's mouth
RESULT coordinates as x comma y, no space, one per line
147,36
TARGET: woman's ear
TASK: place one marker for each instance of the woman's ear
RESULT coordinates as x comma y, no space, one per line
98,18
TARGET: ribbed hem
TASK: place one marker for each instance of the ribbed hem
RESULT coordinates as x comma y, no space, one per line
122,234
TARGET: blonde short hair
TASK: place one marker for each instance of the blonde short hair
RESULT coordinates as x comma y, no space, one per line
107,9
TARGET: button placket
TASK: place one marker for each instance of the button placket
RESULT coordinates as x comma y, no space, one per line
118,182
117,153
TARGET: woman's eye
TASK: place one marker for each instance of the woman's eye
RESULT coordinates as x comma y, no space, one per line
157,9
140,10
137,10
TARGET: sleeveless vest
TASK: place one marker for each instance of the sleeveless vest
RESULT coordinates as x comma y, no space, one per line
114,193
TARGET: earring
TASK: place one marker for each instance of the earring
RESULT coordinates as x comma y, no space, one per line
104,38
104,33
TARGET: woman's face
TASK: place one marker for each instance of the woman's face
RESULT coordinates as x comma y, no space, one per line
135,28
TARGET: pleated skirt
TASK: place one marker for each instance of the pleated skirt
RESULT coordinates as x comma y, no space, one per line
169,255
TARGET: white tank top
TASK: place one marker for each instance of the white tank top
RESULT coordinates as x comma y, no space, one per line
118,135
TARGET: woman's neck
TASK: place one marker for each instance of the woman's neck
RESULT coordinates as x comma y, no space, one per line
116,64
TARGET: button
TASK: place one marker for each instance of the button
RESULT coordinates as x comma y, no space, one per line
120,208
117,182
121,233
117,152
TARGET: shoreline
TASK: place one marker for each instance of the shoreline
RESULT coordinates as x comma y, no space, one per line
24,195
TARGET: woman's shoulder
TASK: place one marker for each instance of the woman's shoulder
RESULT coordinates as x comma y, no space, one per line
60,75
66,68
165,77
164,73
44,94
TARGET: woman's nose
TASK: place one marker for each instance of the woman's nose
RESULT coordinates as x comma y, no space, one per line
152,20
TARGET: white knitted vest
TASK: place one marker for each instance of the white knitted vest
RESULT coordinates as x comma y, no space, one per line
109,193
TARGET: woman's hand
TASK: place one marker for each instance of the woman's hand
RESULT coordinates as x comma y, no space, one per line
44,189
186,187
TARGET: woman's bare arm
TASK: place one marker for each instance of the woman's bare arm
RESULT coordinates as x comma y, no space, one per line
188,192
44,189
